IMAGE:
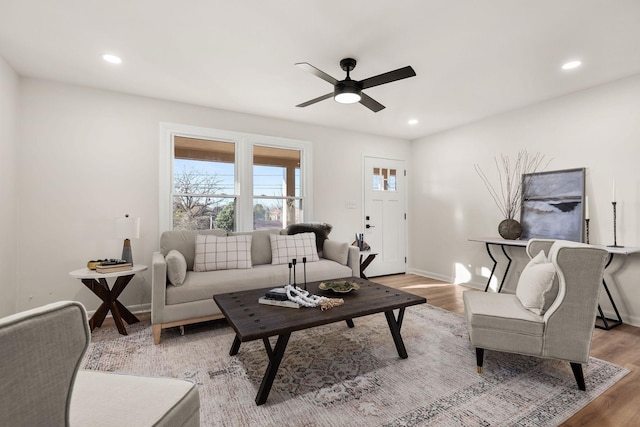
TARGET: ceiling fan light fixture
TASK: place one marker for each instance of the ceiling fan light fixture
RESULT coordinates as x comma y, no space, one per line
347,92
347,98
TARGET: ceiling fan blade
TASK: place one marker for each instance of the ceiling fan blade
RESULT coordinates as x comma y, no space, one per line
318,99
391,76
313,70
370,103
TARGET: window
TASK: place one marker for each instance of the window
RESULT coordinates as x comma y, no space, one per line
204,195
277,200
238,182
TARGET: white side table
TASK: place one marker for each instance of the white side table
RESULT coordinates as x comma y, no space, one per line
97,283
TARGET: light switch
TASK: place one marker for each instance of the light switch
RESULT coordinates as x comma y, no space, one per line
350,204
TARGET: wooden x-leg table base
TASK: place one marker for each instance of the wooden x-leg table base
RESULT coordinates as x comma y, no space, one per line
110,301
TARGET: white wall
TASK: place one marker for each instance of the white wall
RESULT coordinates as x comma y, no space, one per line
8,187
88,156
598,129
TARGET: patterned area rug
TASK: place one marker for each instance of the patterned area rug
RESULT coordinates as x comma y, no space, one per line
336,376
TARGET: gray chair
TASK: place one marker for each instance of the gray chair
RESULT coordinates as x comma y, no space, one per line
40,355
564,327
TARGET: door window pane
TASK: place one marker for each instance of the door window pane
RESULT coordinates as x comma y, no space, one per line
384,179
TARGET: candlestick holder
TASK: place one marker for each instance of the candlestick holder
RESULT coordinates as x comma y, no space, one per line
586,221
615,240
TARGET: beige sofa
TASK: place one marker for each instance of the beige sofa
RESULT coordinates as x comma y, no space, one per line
192,301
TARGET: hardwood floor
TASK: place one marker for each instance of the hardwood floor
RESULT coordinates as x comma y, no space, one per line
618,406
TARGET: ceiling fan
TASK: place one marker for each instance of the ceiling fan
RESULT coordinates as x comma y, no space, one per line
348,91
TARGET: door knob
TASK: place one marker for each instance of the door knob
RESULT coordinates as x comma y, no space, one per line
370,226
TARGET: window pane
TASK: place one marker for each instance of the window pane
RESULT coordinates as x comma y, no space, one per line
271,212
276,176
203,213
391,183
203,170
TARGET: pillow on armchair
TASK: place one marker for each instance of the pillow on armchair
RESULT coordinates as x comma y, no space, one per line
536,290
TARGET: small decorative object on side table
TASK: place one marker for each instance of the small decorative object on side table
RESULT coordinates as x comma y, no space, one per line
97,283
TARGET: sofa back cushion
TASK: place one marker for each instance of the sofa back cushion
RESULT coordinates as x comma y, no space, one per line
260,244
184,241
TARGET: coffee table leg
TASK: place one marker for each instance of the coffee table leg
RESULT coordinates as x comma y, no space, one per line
235,346
394,327
350,323
275,358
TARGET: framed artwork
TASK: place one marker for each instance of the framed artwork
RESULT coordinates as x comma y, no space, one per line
553,205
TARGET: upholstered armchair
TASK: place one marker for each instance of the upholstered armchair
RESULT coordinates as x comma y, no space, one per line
553,312
40,355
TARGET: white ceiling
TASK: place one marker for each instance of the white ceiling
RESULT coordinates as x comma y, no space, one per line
473,58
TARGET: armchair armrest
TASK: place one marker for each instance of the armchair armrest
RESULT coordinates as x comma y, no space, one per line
158,287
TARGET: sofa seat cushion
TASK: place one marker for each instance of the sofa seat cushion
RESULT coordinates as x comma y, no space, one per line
129,400
203,285
502,312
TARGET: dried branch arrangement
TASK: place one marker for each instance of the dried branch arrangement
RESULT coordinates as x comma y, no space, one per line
508,196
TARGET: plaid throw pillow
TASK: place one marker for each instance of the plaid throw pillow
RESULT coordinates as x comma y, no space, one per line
285,248
222,253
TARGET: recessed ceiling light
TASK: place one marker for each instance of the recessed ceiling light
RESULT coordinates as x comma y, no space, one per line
571,65
112,59
413,122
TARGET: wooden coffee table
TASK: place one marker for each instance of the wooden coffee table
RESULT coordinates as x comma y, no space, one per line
253,321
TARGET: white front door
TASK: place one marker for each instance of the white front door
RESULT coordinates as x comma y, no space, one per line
385,214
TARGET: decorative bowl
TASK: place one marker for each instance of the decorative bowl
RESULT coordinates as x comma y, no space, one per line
339,286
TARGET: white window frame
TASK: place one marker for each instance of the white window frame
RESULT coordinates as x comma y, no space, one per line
244,143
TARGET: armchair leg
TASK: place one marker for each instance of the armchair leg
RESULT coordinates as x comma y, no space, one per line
479,358
577,372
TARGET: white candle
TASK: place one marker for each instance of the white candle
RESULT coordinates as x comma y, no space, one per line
614,190
586,207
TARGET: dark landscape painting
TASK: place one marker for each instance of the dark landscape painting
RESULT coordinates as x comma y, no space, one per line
553,205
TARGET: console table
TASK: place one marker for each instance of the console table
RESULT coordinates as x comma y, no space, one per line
605,323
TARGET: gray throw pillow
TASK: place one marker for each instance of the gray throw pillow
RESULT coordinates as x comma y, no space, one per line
176,267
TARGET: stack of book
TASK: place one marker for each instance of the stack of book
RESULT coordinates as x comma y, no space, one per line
277,297
113,266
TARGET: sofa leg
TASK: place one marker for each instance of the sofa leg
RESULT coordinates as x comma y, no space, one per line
479,358
577,372
157,330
